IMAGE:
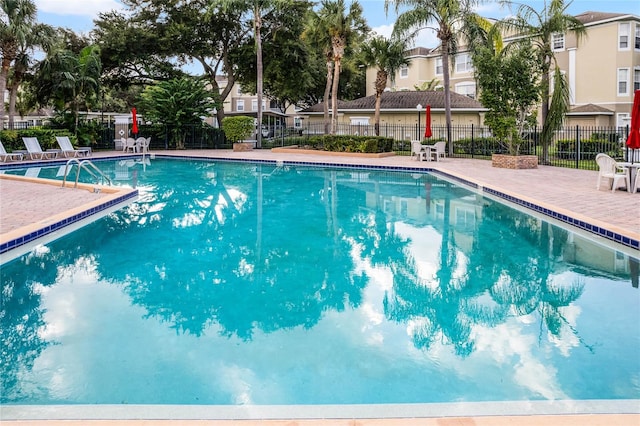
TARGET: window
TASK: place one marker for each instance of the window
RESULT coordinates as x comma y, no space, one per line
239,91
240,105
636,79
254,105
637,43
623,81
360,121
404,71
297,122
623,35
463,63
557,41
439,66
467,88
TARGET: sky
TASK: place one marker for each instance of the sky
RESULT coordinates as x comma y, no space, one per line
78,15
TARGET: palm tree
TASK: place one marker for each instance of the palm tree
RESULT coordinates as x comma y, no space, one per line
449,18
16,23
539,28
344,26
69,80
427,86
388,55
41,35
317,34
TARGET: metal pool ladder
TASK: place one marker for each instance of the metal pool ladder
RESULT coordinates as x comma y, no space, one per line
91,168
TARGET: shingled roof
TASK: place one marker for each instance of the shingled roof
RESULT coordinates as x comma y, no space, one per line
404,101
591,17
590,109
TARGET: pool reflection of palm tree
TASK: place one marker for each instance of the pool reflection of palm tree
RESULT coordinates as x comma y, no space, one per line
246,294
520,283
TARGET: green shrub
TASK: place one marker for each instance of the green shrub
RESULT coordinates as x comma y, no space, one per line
344,143
238,128
566,148
12,139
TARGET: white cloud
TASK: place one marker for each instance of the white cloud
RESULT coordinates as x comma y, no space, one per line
425,38
89,8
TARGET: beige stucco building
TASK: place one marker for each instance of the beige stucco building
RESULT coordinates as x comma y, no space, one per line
603,69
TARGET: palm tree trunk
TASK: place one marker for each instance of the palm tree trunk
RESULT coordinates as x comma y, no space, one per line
258,23
544,112
4,73
376,117
334,96
327,91
13,95
447,93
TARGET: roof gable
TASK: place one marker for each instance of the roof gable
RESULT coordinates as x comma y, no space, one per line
404,100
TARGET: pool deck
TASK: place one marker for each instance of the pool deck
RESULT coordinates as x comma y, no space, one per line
25,203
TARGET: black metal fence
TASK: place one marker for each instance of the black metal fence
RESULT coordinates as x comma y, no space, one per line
574,147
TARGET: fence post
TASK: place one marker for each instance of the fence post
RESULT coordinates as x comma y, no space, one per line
577,146
473,148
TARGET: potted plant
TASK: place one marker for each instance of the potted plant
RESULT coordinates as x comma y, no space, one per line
237,130
509,88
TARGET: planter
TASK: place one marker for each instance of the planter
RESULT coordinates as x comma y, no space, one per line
506,161
244,146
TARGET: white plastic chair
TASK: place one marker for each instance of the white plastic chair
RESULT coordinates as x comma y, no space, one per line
4,155
129,144
611,171
416,149
143,144
438,150
636,183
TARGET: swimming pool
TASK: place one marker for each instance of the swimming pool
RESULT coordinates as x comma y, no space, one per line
263,284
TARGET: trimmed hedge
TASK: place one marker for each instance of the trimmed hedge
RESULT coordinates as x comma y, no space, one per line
344,143
566,148
12,139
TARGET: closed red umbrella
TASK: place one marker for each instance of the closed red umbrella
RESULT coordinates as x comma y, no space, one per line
134,127
427,127
633,141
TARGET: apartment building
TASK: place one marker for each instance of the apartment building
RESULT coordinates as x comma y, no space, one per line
603,69
239,102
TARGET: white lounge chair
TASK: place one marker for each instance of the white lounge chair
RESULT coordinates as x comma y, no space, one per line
5,156
35,151
610,170
67,148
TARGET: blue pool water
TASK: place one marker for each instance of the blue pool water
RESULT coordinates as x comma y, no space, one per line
240,283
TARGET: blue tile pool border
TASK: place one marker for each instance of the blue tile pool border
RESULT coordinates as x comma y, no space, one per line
39,233
591,228
598,230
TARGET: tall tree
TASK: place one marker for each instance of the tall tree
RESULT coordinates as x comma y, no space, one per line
289,74
261,12
388,56
17,20
68,80
539,27
177,103
449,19
317,33
344,26
41,35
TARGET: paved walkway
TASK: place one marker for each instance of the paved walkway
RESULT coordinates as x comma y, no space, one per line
568,190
